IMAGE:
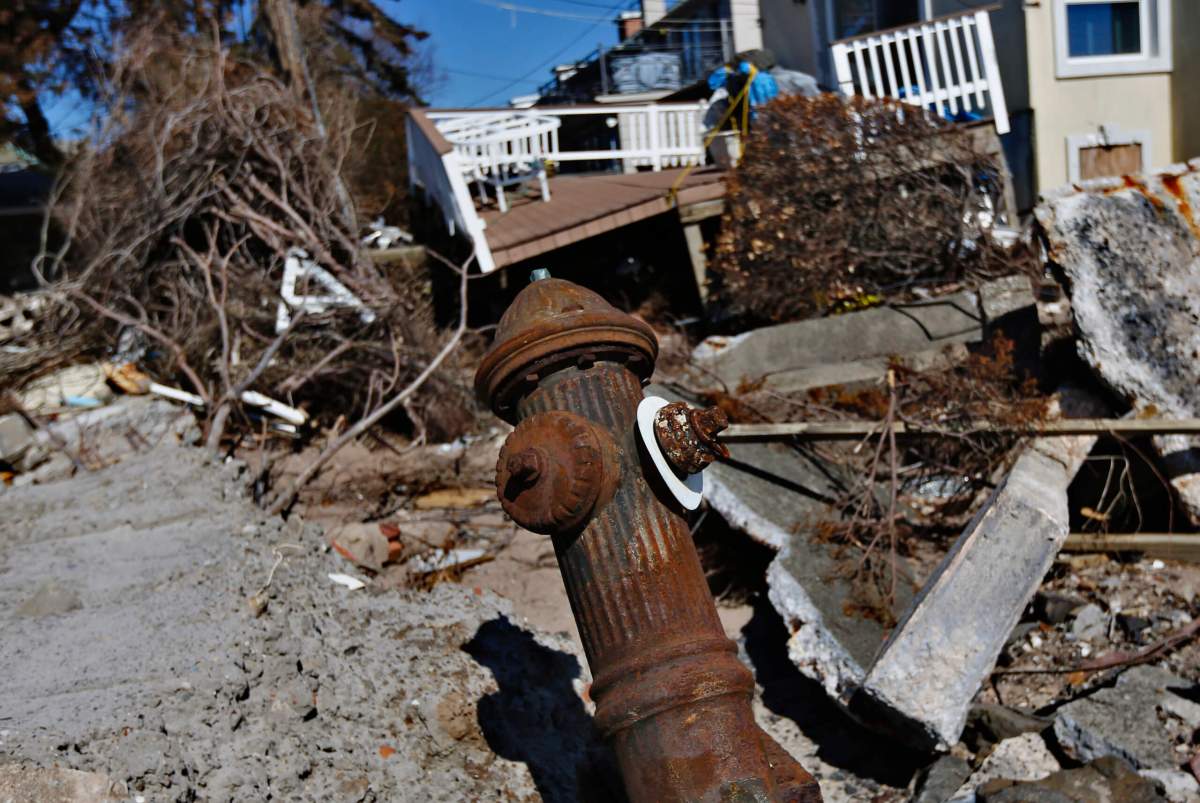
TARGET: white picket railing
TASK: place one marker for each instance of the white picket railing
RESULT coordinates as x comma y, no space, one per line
655,135
945,64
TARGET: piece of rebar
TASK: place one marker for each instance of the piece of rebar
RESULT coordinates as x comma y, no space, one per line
671,695
853,430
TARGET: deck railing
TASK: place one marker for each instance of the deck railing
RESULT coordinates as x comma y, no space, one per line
655,135
947,65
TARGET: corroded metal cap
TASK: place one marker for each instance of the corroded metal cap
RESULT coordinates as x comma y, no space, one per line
554,468
553,322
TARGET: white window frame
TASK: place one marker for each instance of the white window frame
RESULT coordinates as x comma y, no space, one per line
1155,34
1108,135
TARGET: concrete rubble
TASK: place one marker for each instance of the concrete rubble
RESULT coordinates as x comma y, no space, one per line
324,694
1125,720
1107,780
1130,250
858,347
923,680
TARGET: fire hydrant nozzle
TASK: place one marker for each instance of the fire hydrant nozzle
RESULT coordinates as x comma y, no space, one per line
671,695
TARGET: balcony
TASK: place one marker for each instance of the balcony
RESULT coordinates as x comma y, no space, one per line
947,65
596,168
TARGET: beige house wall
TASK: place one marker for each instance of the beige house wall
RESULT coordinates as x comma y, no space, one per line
1185,80
1066,107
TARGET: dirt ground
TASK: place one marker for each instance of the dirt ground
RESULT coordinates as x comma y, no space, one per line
167,640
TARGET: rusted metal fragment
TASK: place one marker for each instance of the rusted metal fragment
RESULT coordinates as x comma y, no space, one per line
688,436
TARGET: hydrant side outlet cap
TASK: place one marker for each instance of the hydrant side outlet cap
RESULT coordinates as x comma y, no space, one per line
552,319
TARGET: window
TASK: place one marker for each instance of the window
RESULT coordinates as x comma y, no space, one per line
1103,29
854,17
1112,37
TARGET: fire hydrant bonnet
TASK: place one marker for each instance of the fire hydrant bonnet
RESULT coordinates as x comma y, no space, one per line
553,321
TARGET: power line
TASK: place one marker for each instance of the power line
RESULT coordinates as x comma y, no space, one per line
471,74
549,59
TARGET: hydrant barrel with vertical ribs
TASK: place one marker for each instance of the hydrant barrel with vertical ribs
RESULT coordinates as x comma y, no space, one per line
671,696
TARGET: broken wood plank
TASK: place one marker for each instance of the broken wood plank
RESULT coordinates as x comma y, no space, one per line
854,430
1168,546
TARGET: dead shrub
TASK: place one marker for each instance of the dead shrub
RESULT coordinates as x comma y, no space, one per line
178,218
840,202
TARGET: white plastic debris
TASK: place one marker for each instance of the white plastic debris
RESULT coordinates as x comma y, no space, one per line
349,581
442,559
383,236
298,266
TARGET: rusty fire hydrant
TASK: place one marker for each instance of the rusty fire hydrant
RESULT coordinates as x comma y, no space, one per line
671,695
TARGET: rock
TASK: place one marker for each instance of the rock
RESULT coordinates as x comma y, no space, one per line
857,346
433,533
1133,626
77,385
941,780
1131,253
1178,786
1106,780
1182,708
57,785
361,543
15,437
989,723
922,683
1091,623
1054,609
51,599
1021,758
1122,720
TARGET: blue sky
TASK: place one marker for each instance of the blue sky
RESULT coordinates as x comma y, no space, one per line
485,53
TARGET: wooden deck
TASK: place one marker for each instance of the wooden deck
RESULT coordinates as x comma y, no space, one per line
584,206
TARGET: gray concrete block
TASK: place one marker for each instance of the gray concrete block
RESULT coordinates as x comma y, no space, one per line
1132,255
15,437
783,354
924,678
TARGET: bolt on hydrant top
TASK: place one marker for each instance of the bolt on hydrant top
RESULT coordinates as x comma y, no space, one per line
552,322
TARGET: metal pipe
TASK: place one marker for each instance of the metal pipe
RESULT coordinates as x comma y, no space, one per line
671,695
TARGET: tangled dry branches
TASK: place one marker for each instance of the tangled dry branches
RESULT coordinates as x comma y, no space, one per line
838,202
177,222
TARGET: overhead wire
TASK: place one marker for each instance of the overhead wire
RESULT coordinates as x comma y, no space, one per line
548,60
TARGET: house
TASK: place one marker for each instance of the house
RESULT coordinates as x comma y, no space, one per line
1090,87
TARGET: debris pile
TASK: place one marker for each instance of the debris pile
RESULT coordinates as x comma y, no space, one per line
206,237
846,201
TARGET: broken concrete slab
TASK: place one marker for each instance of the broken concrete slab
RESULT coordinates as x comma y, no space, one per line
1123,721
776,493
857,346
57,785
922,683
166,681
1107,780
1021,758
1130,249
942,779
